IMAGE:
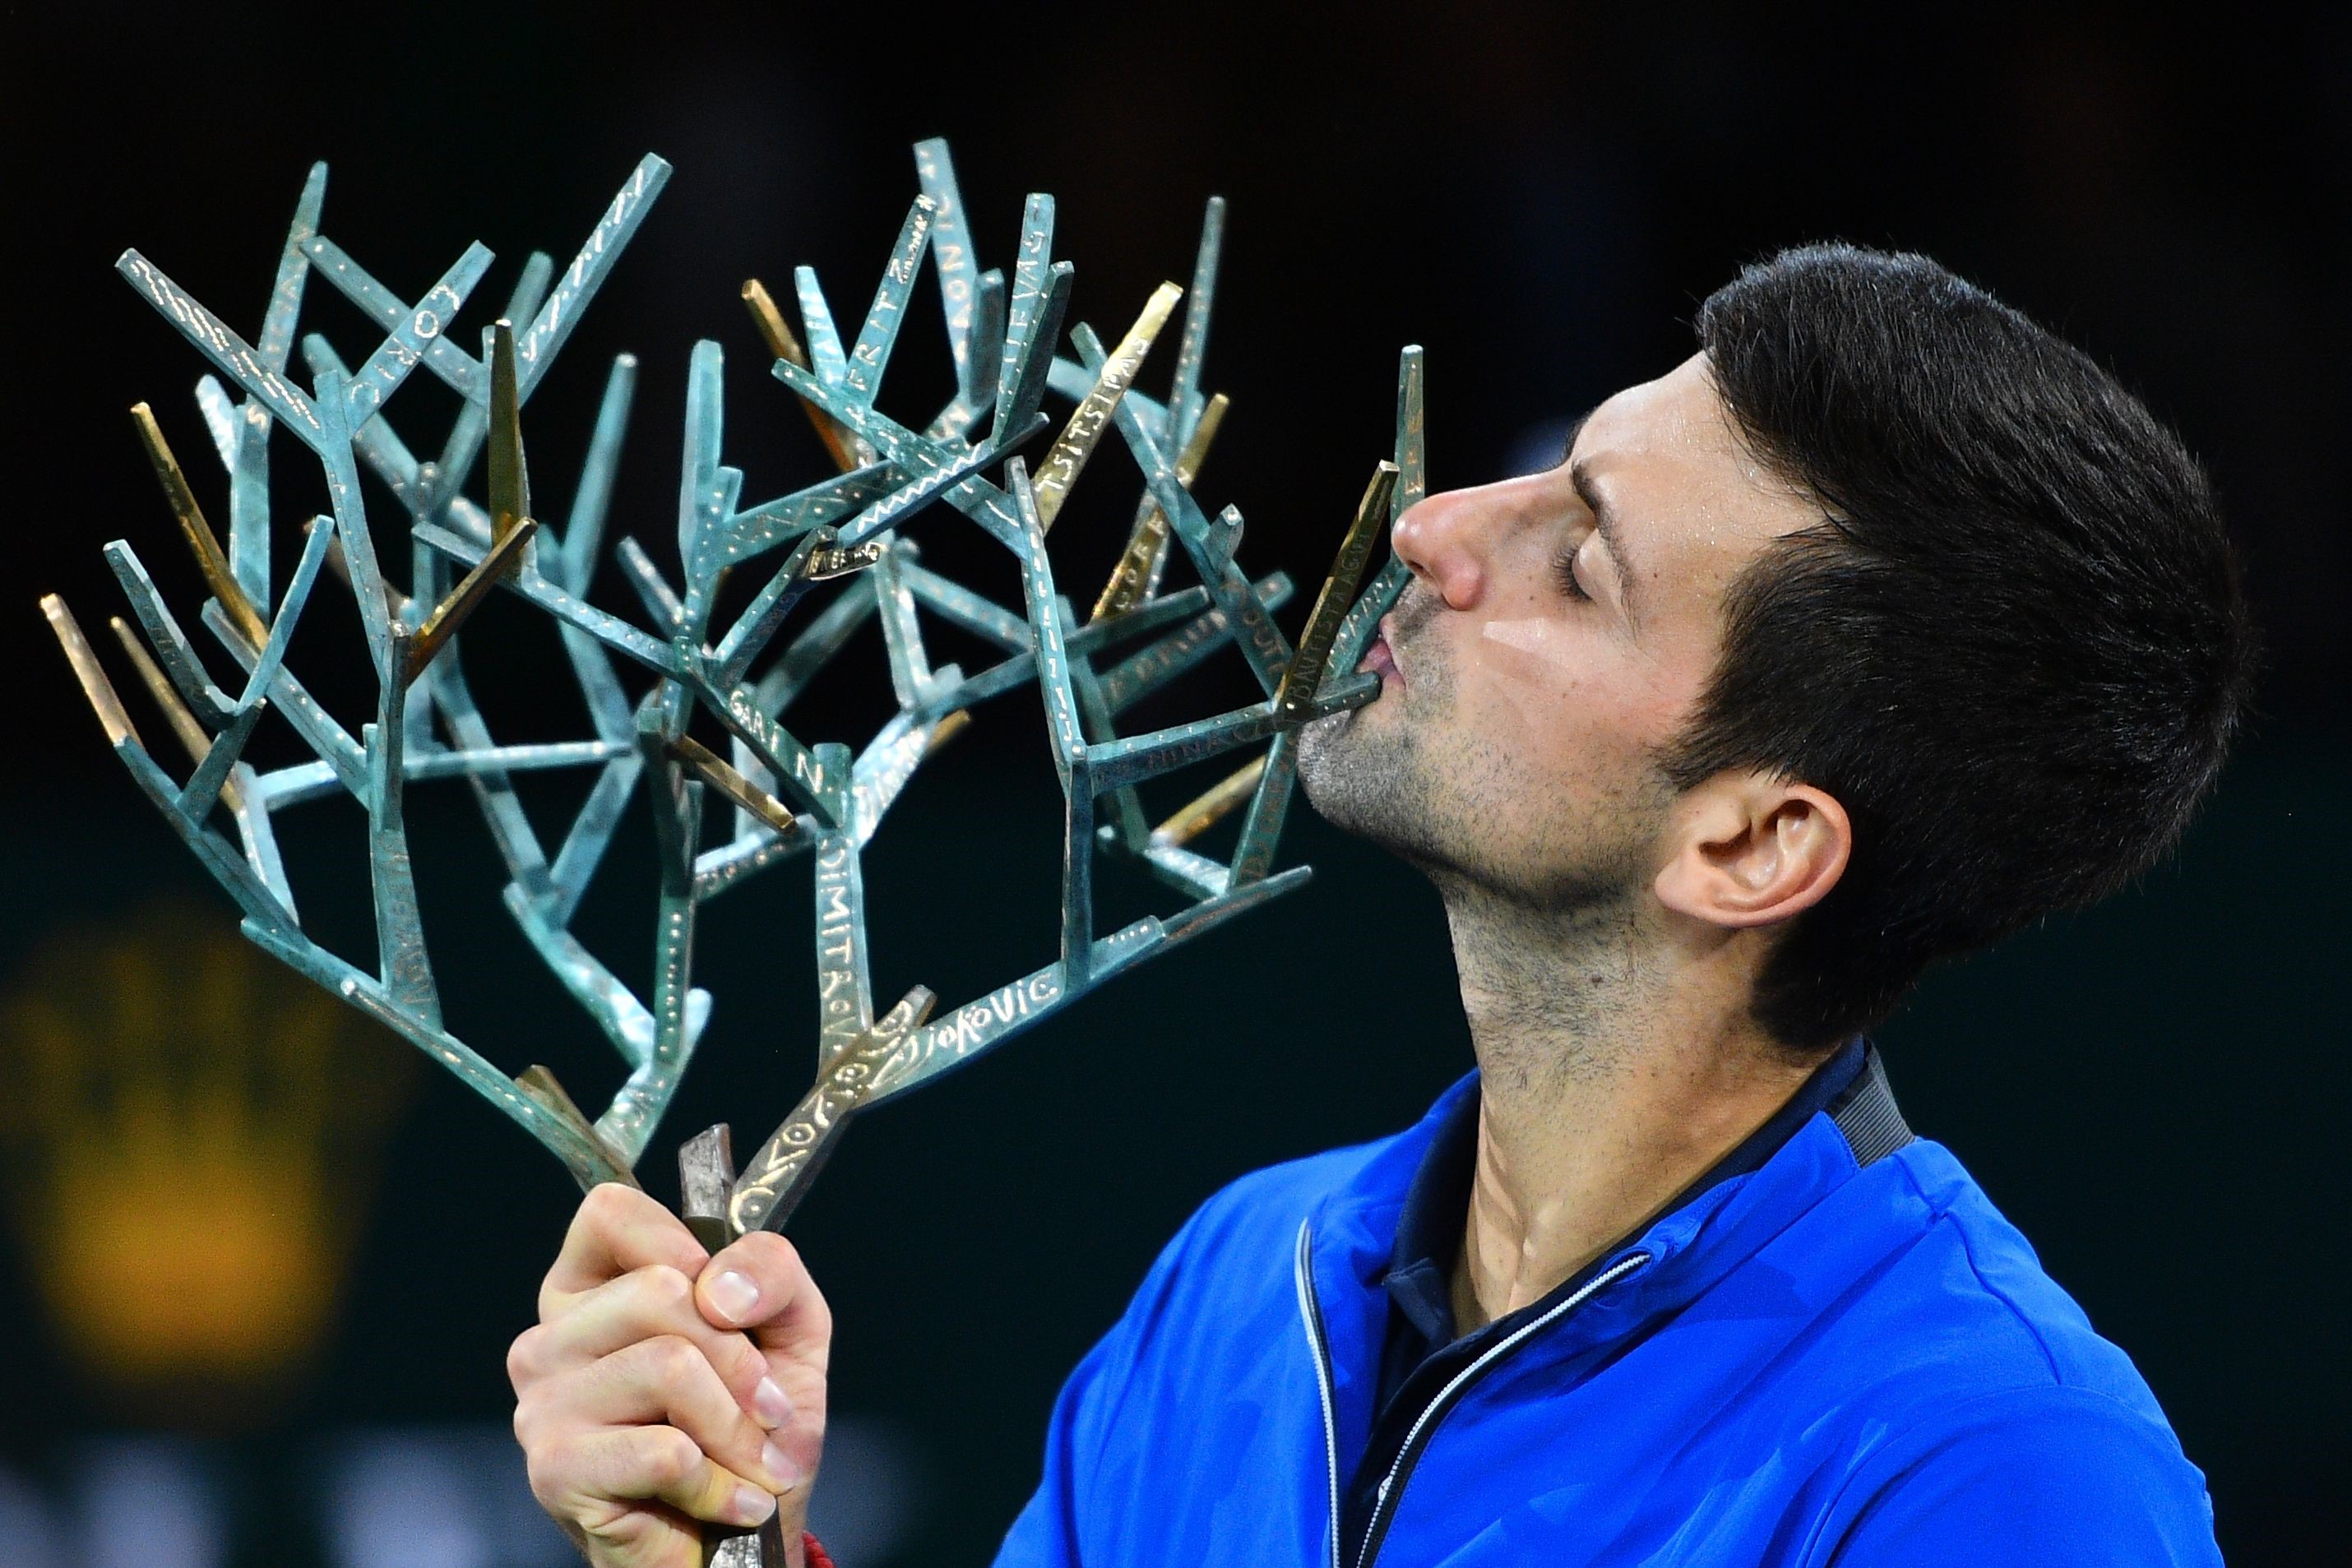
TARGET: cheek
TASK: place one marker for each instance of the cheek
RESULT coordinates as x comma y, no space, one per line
1555,685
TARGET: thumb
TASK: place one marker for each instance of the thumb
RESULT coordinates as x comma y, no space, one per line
758,1285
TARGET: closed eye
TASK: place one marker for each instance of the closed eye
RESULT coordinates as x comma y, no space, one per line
1564,569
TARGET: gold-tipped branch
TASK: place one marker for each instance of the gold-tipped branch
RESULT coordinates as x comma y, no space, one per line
1304,677
201,538
88,671
1130,581
1076,443
723,777
947,729
777,333
467,597
539,1086
192,739
1211,807
775,1178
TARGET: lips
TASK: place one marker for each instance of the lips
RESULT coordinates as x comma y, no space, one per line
1380,659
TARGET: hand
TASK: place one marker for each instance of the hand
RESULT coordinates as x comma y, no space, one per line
663,1387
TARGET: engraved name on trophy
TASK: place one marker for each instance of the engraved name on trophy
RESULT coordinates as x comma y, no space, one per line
724,672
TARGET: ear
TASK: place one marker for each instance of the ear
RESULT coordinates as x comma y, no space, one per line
1747,850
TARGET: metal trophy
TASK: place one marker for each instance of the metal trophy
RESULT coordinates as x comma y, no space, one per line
730,674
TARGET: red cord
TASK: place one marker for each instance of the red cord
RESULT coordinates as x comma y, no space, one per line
815,1553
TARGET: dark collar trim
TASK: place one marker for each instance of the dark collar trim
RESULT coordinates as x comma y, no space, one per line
1865,1110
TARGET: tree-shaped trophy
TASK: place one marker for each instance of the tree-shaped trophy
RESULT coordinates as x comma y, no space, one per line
717,661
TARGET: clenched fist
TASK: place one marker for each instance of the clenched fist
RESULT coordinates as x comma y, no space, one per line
663,1387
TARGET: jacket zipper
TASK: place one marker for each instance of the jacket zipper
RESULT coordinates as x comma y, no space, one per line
1416,1437
1312,1313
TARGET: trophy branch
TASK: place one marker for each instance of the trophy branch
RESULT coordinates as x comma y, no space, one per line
736,676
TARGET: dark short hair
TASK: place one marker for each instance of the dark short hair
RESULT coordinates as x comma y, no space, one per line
2015,647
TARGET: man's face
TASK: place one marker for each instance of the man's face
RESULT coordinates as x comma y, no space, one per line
1557,632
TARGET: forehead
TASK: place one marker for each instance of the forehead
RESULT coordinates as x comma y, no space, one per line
1675,423
1690,502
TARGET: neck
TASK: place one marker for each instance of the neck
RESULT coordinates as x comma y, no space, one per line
1618,1061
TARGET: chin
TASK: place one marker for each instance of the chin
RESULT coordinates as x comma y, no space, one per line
1364,782
1324,754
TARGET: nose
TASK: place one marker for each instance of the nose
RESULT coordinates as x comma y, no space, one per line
1446,540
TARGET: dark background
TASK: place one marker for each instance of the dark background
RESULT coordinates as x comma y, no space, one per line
1540,194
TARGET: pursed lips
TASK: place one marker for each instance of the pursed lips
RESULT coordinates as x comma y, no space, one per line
1380,657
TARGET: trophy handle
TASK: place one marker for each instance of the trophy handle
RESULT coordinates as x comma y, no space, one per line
762,1548
705,1170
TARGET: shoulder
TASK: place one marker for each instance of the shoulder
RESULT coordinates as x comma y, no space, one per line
1983,1316
1280,1195
2048,1474
1230,1268
1252,1223
1997,1416
1220,1293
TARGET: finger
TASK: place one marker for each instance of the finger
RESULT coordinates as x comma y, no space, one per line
617,1228
664,1380
642,1535
643,1305
592,1477
759,1284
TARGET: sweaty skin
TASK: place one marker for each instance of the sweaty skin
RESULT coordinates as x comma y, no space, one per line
1607,931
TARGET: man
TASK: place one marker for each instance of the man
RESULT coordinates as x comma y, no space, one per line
1879,628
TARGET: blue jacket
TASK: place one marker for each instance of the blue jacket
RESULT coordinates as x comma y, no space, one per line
1843,1357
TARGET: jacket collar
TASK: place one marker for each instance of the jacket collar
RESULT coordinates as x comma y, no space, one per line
1429,1223
1842,1119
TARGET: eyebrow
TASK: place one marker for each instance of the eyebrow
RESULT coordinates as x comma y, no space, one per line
1604,523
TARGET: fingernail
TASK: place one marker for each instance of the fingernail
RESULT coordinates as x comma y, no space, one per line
734,1295
786,1473
769,1404
752,1506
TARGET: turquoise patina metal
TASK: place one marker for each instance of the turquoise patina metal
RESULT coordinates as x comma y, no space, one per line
733,673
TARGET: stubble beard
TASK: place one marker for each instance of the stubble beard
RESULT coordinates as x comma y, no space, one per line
1406,781
1376,778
